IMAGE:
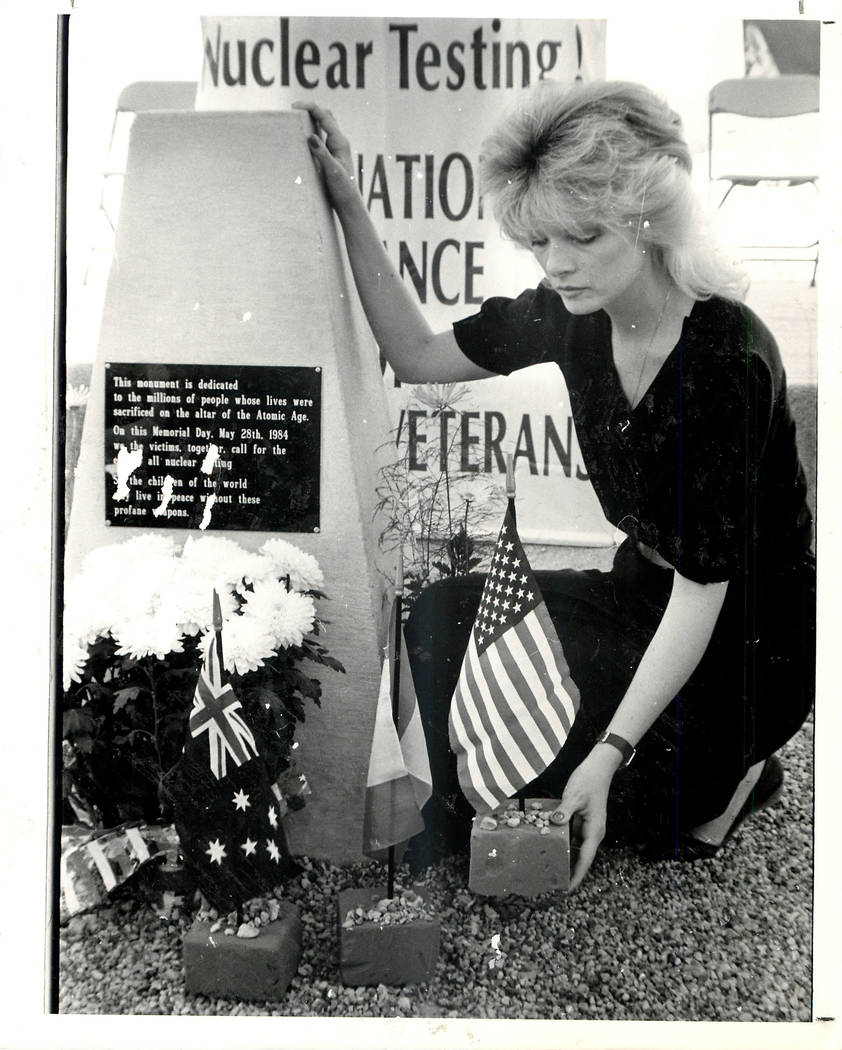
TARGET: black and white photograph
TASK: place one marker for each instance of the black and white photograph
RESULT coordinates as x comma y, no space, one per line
436,458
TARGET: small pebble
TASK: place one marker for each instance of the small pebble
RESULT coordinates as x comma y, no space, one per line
750,909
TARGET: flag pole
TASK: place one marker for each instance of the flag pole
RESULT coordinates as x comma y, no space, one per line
396,684
510,496
217,630
510,487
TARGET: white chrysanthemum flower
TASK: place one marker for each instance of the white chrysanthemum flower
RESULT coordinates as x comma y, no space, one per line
145,624
118,582
74,658
296,616
303,569
155,635
214,558
148,598
139,548
260,568
246,643
190,595
85,615
288,615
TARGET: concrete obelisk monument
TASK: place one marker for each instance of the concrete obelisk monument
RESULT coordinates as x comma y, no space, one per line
230,322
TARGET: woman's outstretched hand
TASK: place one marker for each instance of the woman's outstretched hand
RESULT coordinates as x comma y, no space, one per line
332,152
584,804
412,348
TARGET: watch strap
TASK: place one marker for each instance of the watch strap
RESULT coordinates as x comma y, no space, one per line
622,745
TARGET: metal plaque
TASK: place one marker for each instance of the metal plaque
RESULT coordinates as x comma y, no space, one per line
212,446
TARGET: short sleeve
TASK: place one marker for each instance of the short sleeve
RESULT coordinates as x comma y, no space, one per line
508,334
724,425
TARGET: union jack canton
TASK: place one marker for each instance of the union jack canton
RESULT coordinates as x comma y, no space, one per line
214,712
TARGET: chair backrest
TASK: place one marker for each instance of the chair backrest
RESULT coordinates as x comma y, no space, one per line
785,96
766,127
144,96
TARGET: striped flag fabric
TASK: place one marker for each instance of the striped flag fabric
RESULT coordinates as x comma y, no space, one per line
515,702
94,863
399,781
216,712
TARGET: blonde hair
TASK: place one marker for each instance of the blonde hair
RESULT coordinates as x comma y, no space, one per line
606,154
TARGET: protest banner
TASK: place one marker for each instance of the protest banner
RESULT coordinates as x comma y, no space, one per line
416,97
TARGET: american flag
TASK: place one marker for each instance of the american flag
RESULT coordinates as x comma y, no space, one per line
216,712
515,702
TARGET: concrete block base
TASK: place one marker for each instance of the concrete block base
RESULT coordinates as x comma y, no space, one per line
519,860
227,967
371,954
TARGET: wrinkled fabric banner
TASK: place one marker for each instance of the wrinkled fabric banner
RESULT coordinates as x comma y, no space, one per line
95,863
416,97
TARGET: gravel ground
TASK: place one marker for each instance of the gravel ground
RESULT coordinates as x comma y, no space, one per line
720,940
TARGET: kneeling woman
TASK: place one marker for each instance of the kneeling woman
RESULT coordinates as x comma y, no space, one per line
697,648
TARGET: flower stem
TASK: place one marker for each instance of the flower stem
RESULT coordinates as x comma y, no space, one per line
156,735
447,491
430,528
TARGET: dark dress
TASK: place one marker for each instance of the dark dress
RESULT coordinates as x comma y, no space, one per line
704,471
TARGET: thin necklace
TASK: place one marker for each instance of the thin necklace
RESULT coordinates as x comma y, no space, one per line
633,402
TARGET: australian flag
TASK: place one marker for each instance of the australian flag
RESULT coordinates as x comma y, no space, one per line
227,813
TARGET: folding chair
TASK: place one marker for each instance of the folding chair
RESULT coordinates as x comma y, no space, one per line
768,98
147,95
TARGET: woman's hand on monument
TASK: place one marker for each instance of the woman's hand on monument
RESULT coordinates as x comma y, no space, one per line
584,804
412,348
332,152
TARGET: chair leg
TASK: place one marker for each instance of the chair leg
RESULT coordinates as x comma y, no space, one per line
815,186
727,193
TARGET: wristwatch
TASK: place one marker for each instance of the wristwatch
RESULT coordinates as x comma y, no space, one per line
622,745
